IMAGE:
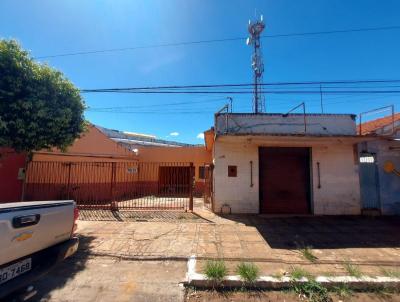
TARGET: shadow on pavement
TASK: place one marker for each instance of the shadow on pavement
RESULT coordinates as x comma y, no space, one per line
324,232
62,273
140,216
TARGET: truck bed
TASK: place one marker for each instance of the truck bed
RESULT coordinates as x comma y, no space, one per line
28,227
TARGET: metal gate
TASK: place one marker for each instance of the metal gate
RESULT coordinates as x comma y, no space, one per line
208,186
113,185
369,182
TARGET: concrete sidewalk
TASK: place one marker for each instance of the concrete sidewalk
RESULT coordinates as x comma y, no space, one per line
273,242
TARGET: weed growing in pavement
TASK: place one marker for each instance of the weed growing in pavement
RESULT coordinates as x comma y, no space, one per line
384,292
343,291
297,273
215,270
306,251
392,273
352,269
248,272
312,291
308,254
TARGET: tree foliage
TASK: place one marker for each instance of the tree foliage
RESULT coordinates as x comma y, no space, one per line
39,107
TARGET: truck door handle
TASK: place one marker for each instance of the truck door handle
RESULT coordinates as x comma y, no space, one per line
26,220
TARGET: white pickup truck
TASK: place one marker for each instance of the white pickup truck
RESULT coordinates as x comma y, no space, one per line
34,237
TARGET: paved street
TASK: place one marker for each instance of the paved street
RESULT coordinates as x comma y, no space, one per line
102,279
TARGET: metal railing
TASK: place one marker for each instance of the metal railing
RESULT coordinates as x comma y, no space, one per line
113,185
389,108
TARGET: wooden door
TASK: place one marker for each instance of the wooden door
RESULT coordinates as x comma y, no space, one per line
284,180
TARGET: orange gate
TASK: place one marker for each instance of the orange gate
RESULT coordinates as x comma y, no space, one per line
113,185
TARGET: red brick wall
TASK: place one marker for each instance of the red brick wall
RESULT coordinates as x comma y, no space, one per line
10,185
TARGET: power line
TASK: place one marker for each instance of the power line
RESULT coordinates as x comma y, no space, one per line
158,105
186,110
250,92
301,34
242,85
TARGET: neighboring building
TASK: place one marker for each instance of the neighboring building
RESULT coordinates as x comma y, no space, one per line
82,172
150,149
102,158
133,140
380,165
285,164
388,125
92,146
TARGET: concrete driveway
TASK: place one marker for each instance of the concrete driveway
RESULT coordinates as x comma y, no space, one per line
142,256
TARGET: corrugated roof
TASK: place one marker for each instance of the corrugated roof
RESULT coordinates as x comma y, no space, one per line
371,126
122,136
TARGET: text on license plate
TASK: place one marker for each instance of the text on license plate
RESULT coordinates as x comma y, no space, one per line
15,270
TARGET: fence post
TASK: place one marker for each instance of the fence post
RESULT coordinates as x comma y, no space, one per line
69,180
191,183
114,204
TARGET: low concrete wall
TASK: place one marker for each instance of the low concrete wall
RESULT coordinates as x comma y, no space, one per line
339,193
273,123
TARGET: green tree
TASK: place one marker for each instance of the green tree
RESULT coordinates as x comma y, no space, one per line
39,107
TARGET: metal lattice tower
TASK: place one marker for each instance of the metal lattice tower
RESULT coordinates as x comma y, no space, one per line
255,29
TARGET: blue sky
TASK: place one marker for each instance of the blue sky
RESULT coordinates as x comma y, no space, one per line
52,27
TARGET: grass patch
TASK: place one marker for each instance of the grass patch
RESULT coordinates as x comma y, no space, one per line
343,291
297,273
308,254
384,292
392,273
312,291
306,251
215,270
248,272
352,269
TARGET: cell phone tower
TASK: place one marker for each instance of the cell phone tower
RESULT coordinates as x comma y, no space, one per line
255,29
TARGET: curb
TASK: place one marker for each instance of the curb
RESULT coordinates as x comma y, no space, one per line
270,282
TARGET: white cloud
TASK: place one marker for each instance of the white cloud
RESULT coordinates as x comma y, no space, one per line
200,135
174,133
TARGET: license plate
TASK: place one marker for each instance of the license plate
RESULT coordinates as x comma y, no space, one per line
14,270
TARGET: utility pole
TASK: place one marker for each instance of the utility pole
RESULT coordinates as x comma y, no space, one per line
255,29
230,103
320,96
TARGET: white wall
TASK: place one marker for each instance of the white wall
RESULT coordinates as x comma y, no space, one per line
340,188
339,192
236,191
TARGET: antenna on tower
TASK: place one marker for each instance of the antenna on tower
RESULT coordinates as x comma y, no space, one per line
255,29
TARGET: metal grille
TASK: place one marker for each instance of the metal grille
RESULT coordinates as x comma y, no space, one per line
113,185
208,186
